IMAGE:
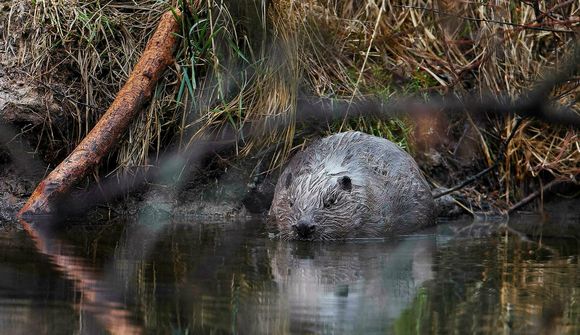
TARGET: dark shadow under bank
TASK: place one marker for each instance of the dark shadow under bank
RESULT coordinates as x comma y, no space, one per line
239,194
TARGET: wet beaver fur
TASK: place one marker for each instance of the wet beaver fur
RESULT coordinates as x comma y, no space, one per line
350,185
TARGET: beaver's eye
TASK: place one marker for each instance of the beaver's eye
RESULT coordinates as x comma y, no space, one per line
329,202
345,183
291,203
288,180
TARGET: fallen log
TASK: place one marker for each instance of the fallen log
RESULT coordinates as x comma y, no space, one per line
131,98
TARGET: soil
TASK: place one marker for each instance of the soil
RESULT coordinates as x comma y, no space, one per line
35,119
231,192
14,190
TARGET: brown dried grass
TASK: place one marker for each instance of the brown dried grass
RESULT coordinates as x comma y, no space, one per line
82,52
453,47
242,63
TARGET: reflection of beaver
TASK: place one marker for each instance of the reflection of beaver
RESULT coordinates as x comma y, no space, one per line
351,185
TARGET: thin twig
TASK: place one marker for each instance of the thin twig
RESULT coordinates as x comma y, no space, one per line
537,193
468,18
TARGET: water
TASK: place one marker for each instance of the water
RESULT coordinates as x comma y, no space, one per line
228,277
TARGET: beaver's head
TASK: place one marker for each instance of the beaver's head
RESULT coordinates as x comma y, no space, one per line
318,203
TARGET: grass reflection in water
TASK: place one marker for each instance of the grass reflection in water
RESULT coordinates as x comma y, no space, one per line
228,277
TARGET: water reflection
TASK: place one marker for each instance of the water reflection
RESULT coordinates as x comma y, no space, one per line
99,298
228,277
500,284
347,287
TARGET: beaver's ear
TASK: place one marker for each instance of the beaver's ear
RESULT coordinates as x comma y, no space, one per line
345,183
288,180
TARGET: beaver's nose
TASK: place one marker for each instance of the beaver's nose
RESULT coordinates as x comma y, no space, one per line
304,228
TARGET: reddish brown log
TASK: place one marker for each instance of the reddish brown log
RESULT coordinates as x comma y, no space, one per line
135,93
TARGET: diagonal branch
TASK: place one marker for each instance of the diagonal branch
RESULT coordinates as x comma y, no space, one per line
131,98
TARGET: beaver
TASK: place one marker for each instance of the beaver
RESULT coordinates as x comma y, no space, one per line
333,284
350,185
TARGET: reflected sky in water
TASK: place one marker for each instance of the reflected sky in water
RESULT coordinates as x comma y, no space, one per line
228,277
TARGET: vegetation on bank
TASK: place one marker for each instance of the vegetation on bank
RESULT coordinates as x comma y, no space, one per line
246,61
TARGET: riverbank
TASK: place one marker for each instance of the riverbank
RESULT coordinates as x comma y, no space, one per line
61,66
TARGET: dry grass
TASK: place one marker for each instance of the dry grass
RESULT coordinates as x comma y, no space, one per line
242,63
451,47
83,52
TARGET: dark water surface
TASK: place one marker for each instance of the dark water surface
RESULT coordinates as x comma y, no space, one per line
229,277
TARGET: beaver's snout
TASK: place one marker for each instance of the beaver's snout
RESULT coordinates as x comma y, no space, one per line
304,228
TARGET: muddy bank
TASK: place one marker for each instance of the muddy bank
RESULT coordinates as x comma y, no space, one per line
219,189
54,87
14,190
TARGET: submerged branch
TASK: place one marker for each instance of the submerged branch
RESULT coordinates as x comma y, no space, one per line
536,194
